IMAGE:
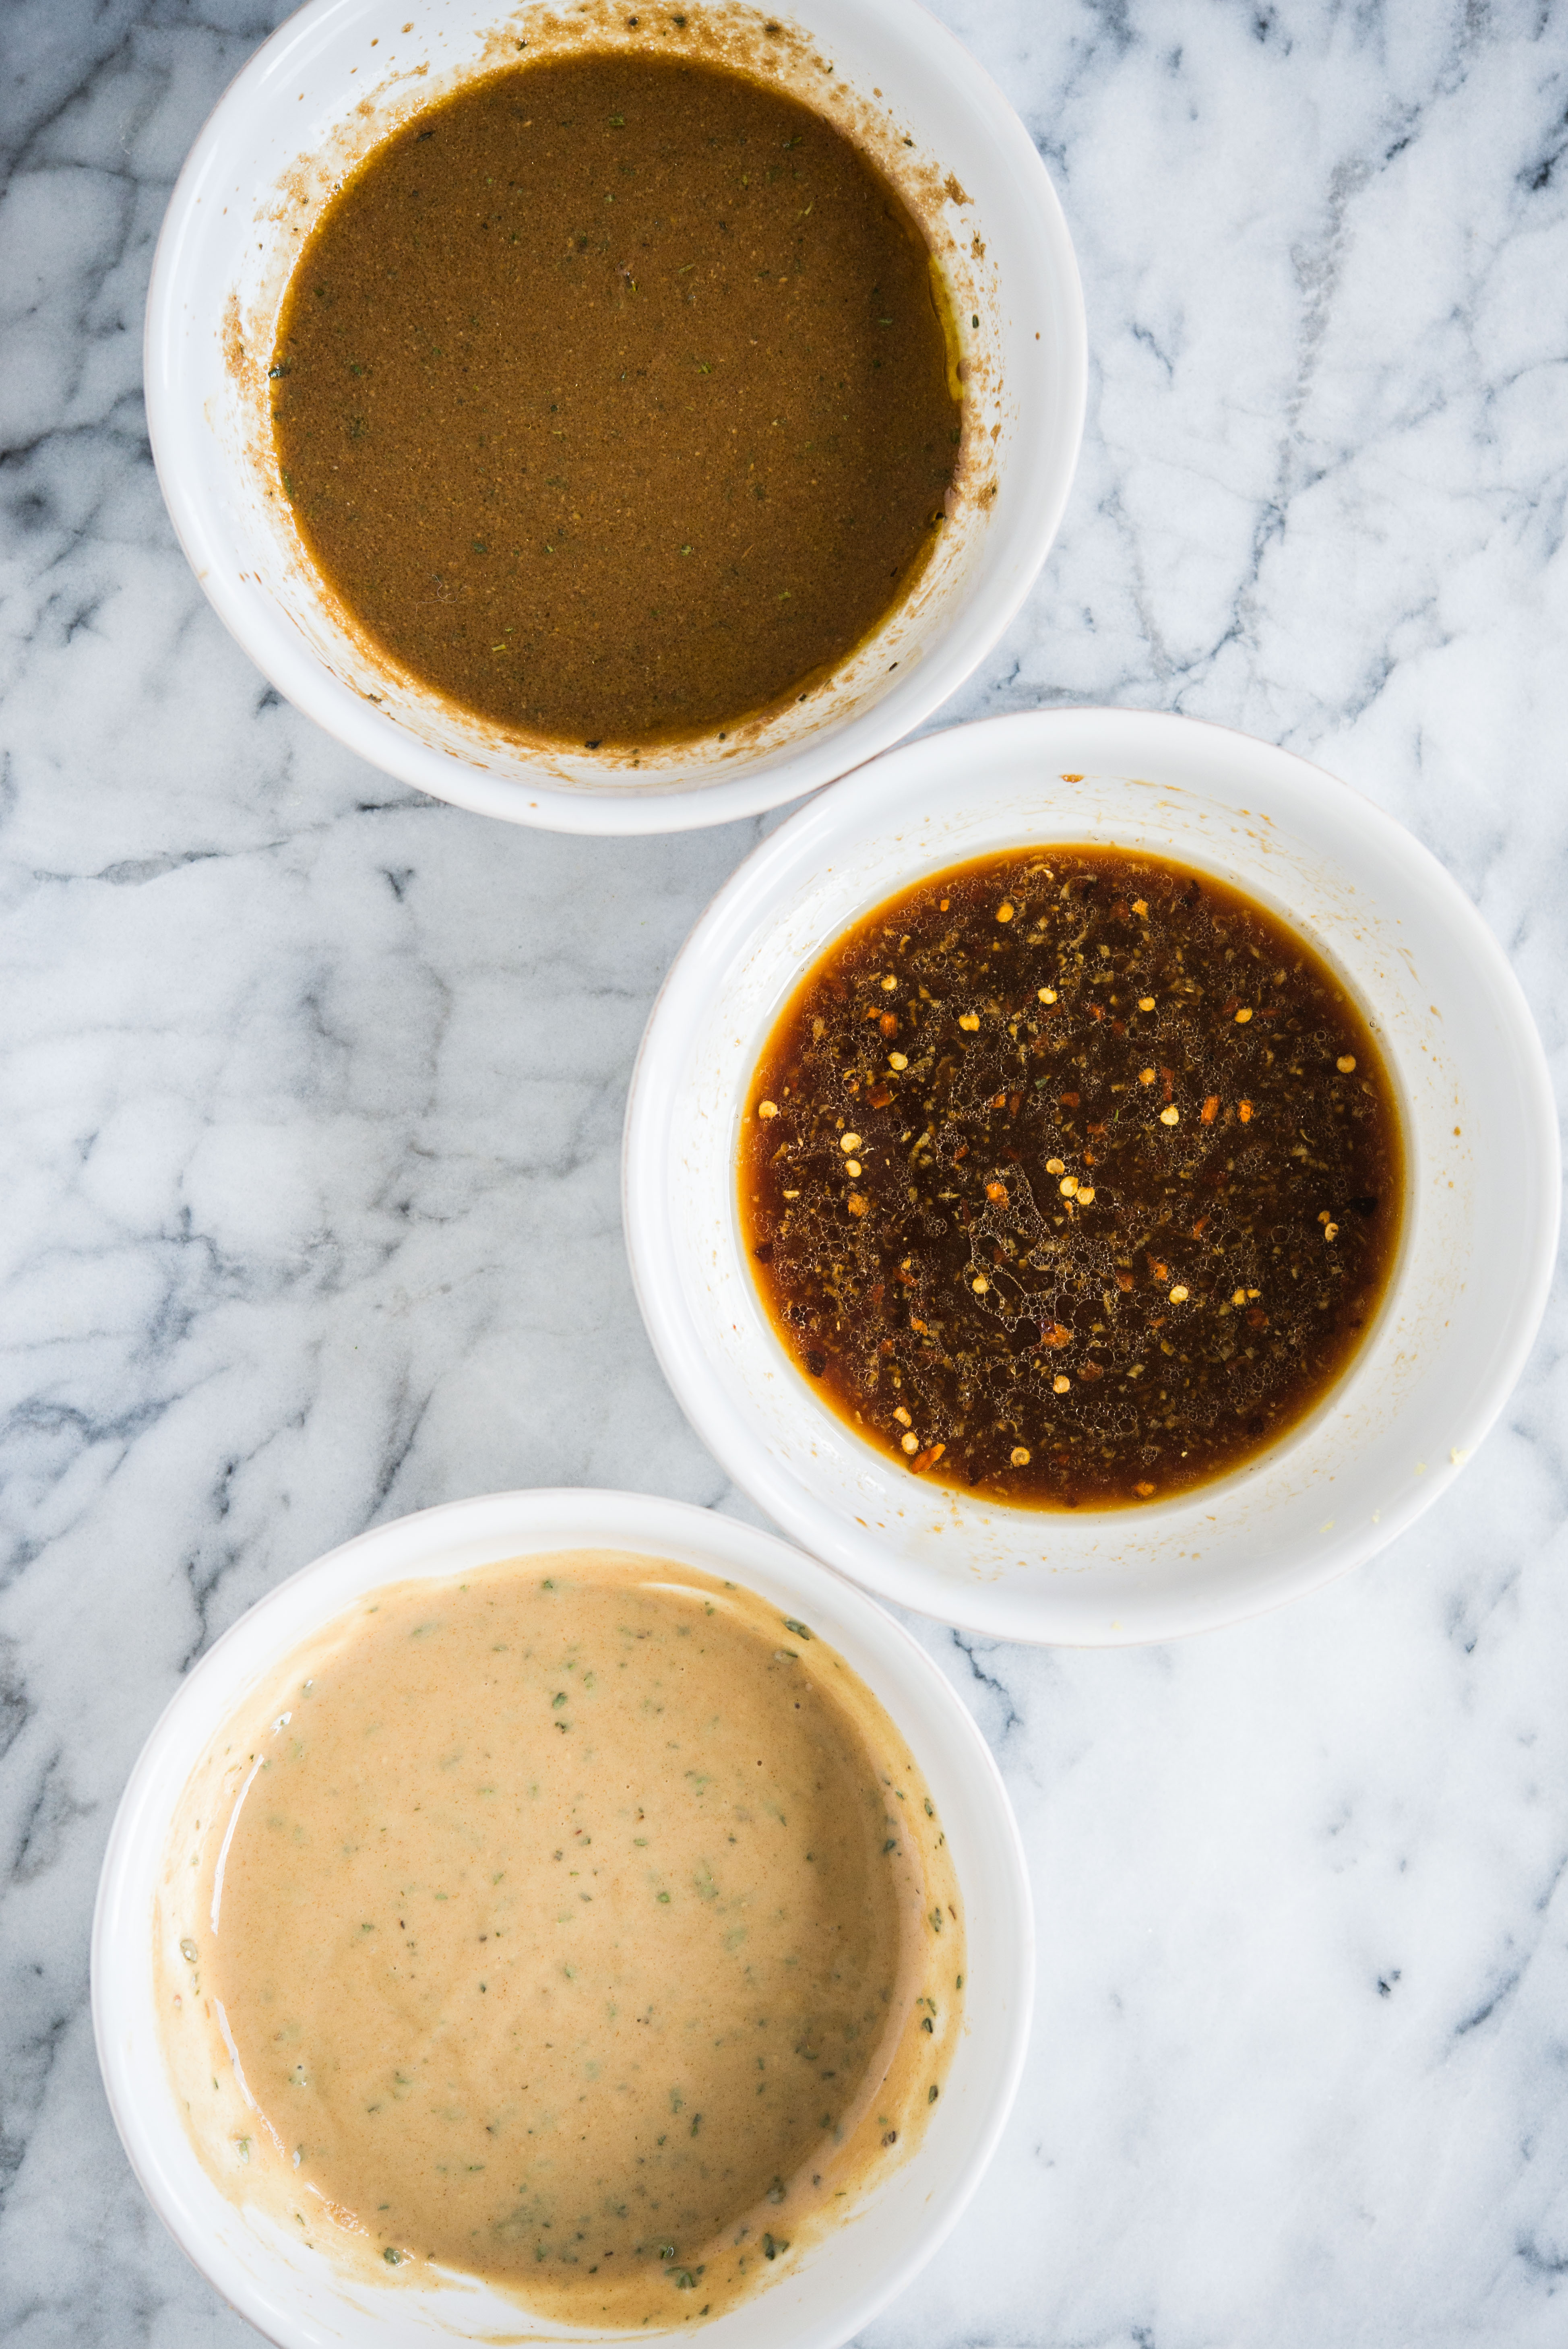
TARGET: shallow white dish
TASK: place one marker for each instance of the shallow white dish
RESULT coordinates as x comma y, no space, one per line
1480,1229
292,2295
309,106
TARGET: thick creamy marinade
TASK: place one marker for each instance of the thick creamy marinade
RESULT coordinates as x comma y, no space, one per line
584,1927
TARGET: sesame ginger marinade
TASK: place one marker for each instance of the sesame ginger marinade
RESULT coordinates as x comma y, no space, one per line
584,1927
1071,1175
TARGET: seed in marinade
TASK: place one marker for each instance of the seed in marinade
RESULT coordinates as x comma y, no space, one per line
1130,1177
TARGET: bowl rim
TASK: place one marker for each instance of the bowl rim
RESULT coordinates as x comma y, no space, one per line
610,1519
972,631
807,841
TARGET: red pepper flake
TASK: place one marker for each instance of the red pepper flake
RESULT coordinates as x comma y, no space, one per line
888,1023
1091,1368
1015,1102
915,1324
1199,1227
1070,1101
1055,1334
1208,1113
962,1152
1124,1281
1096,1011
1257,1318
927,1459
879,1096
1118,1026
1166,1084
1230,1006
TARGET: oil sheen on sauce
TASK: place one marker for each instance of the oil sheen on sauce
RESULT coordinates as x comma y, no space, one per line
1071,1177
613,397
584,1927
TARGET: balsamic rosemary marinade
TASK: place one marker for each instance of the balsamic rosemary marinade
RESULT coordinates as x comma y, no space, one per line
1071,1175
613,397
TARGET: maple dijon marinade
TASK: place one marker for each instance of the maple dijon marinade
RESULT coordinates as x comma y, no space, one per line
1071,1175
614,400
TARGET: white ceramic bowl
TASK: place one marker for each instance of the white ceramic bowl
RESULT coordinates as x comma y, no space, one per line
291,2295
1480,1229
328,87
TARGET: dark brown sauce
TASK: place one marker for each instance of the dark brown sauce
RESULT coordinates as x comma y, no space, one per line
613,399
1071,1175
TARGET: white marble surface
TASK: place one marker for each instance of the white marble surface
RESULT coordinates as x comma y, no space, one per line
311,1098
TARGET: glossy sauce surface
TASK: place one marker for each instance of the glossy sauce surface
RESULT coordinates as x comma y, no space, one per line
584,1928
1071,1177
613,395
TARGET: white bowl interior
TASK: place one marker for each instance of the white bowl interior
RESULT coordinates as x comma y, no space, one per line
295,2296
307,108
1467,1289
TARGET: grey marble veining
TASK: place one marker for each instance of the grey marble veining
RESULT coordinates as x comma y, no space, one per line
310,1097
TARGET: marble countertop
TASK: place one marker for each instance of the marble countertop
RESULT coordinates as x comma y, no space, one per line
312,1097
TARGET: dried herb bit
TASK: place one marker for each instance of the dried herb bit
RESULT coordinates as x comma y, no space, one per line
1081,1178
799,1628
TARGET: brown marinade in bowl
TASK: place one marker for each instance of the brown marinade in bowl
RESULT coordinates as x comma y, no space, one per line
616,399
1072,1176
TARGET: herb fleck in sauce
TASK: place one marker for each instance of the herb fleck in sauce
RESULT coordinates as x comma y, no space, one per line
1071,1177
613,399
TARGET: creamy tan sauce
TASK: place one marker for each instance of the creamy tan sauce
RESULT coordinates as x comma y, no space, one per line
584,1927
